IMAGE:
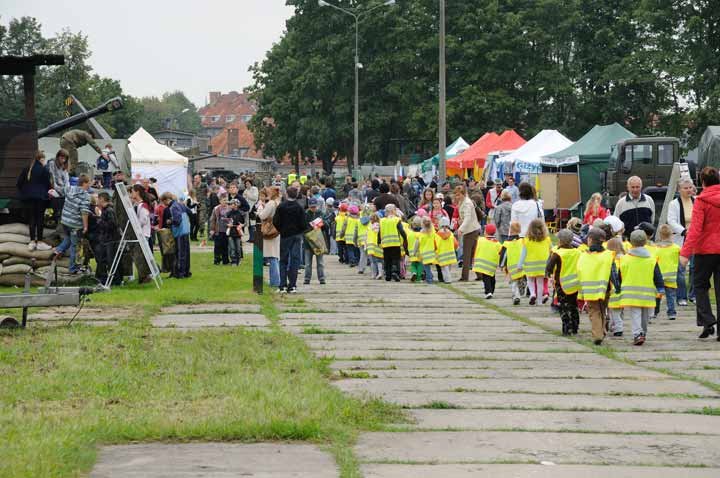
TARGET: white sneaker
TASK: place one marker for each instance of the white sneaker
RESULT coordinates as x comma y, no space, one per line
32,246
41,246
489,295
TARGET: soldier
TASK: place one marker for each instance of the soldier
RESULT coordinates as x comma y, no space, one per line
77,138
201,189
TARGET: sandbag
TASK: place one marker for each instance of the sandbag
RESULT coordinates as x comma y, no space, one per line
23,229
19,280
44,270
21,250
12,237
15,269
4,256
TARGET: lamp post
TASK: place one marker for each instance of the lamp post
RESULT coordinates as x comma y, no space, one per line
442,128
173,119
357,17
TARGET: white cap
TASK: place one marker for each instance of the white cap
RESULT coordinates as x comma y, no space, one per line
615,224
329,201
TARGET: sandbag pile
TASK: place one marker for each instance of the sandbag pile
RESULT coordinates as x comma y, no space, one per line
16,260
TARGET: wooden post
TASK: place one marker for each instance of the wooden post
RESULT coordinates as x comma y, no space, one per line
29,90
258,260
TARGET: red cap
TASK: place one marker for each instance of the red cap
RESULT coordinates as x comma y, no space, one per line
490,230
343,207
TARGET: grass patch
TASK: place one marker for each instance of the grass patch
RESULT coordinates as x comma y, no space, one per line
64,391
320,331
344,374
440,405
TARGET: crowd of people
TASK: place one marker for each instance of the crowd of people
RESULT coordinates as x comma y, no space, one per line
615,266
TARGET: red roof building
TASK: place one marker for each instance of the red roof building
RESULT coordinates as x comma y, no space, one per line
225,119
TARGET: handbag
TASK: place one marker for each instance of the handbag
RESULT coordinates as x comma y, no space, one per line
167,241
268,229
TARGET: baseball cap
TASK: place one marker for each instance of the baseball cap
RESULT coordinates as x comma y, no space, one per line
615,223
444,222
490,230
313,202
330,201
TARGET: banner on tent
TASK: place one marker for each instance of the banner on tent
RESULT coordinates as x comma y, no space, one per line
523,167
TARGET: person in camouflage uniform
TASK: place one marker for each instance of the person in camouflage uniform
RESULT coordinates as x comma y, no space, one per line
74,140
201,189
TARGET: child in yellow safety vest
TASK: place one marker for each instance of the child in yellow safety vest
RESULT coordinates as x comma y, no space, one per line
510,260
365,214
446,249
350,234
615,311
641,281
413,236
487,259
562,267
425,247
536,252
340,232
373,247
668,255
596,272
392,239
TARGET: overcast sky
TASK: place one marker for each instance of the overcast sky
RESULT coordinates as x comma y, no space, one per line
154,46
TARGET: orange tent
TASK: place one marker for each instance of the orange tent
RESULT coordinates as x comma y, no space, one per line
467,159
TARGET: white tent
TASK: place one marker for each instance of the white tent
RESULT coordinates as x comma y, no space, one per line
150,159
526,159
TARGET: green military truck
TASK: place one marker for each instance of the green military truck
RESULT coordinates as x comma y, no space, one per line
650,158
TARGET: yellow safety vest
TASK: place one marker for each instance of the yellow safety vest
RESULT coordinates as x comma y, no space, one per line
568,270
513,251
413,238
362,234
373,248
303,179
536,257
583,247
614,300
291,178
351,230
445,250
339,223
425,247
668,260
594,270
487,256
389,232
638,284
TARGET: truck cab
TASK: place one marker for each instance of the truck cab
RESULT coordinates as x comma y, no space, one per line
650,158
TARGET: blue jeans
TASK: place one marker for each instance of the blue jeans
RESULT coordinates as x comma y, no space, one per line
682,289
319,260
352,254
274,270
670,297
69,241
289,260
428,273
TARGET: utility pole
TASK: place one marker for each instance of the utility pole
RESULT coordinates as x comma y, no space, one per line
442,115
356,121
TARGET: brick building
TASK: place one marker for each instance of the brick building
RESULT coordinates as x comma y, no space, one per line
225,120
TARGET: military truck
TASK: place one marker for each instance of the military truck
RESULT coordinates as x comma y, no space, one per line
650,158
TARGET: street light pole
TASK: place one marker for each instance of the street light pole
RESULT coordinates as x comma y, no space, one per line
442,115
356,120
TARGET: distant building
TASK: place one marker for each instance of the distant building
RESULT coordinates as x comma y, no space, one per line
225,120
182,141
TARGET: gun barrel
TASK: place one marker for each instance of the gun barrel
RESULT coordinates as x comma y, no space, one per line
110,105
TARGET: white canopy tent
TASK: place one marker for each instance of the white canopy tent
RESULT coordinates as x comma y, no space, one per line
527,158
152,159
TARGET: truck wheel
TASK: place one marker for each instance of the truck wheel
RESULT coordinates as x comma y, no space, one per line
9,323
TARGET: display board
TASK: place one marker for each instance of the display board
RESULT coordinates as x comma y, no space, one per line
121,191
559,190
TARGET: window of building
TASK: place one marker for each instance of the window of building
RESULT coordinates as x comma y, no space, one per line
215,118
229,118
243,151
246,118
665,154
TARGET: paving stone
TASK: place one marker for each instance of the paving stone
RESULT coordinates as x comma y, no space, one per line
381,343
604,422
534,471
211,308
453,447
448,355
530,401
518,365
63,314
214,460
528,373
579,386
210,320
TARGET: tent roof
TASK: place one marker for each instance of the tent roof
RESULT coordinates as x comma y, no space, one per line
709,147
478,152
144,149
457,147
595,144
546,142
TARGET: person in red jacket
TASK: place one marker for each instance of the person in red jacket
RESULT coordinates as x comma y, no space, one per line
703,242
594,209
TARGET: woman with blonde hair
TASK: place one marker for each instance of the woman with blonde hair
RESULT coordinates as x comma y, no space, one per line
594,209
271,247
468,229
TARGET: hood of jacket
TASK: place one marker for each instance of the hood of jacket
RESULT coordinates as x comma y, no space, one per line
525,206
74,192
444,234
639,252
711,196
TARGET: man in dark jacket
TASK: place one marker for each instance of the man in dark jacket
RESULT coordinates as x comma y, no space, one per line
385,198
108,236
290,221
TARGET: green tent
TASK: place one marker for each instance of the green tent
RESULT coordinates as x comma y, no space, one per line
591,153
457,147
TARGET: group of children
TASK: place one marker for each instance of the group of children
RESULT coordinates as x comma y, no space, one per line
612,279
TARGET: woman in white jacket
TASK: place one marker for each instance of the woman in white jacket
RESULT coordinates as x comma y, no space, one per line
526,209
679,218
